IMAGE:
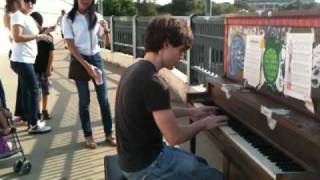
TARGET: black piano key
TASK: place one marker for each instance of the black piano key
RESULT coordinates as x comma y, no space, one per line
289,166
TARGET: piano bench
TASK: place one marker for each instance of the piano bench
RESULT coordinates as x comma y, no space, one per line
112,169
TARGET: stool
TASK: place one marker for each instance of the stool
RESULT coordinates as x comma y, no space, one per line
112,169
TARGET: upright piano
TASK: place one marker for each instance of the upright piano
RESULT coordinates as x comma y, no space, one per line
269,135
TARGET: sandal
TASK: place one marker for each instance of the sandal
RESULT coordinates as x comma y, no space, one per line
90,143
111,140
20,122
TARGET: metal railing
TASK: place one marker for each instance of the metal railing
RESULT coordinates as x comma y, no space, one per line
206,56
204,59
122,34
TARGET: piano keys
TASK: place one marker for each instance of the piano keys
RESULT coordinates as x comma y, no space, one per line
251,149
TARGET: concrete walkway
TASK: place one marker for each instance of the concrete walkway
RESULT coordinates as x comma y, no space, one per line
61,153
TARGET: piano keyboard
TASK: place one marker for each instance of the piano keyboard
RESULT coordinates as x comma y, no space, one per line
272,160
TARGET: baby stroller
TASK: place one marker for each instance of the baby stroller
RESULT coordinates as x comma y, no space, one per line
22,165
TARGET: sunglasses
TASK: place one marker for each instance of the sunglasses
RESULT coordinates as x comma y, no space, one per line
30,1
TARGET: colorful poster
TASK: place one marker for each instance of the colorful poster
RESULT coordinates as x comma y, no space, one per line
315,79
253,58
298,65
272,63
236,55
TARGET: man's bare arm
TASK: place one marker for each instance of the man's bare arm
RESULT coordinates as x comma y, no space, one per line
177,134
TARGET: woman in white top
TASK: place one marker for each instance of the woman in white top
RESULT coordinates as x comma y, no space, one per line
24,50
82,28
11,7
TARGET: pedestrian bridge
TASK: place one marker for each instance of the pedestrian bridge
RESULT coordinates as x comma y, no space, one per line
61,153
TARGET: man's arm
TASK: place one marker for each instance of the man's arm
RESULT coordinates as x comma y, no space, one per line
182,111
177,134
193,112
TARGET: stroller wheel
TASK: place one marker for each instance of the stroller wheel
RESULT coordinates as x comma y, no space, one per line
26,168
17,165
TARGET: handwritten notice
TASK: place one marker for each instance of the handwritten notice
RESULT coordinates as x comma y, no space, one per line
298,65
253,58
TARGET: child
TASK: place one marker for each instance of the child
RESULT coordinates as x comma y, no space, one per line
43,64
4,115
4,128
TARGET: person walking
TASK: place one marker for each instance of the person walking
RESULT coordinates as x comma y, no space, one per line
82,28
25,33
59,23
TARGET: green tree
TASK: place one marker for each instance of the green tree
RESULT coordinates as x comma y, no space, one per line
186,8
165,9
243,4
217,9
298,6
229,9
224,8
119,8
147,8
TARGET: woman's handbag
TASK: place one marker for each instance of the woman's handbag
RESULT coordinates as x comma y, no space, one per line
77,71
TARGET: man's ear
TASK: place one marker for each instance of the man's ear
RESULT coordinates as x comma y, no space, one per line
165,44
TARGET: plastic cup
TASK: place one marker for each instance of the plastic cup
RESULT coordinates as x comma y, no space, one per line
98,76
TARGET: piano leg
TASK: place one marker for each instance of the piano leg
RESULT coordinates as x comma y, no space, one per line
192,142
232,172
226,167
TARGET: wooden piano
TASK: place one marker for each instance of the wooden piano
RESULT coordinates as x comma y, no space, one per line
269,135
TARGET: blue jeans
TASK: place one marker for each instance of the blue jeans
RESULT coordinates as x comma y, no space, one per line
29,87
19,105
2,96
84,100
173,163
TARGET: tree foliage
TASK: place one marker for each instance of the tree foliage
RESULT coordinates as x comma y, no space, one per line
226,8
186,8
147,8
119,8
298,5
243,5
223,8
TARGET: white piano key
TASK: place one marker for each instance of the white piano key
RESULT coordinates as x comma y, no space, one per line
252,152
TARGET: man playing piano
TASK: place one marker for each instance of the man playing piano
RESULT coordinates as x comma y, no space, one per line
144,114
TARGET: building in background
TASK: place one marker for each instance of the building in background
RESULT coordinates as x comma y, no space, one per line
269,5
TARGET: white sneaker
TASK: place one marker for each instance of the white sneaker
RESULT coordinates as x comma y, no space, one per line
41,124
39,129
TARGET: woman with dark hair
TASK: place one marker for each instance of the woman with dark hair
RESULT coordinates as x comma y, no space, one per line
25,33
11,7
82,28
